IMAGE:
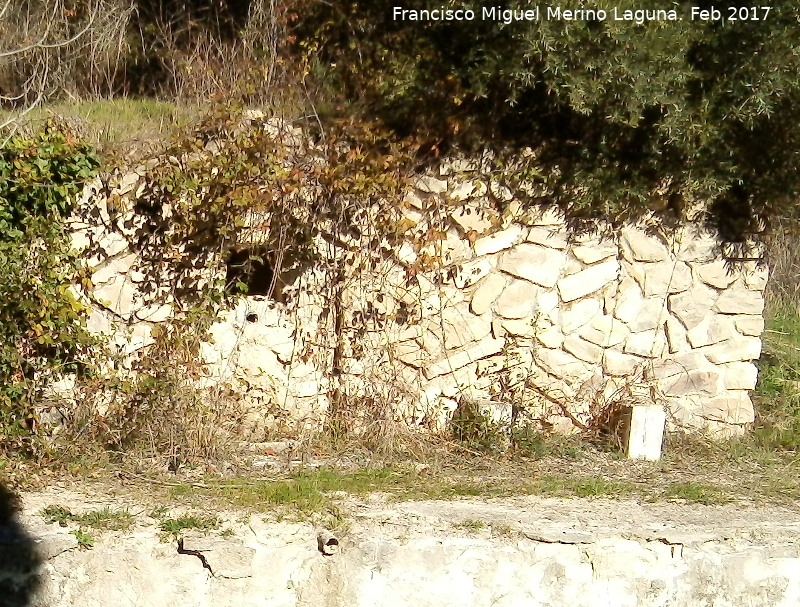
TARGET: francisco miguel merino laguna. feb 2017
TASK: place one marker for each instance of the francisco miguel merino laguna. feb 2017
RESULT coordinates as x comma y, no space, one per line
535,13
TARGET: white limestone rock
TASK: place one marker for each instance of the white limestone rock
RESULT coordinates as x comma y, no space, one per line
563,365
605,331
740,376
582,349
740,301
734,407
462,327
750,325
537,264
576,314
693,381
554,239
717,273
692,306
636,245
475,219
463,356
468,274
588,281
712,329
592,252
499,241
658,279
550,338
619,364
431,185
518,300
755,276
488,291
676,335
733,350
651,344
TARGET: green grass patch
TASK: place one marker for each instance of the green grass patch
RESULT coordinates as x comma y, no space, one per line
114,123
697,493
176,526
104,519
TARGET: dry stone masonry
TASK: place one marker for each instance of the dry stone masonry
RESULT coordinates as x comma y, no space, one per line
502,305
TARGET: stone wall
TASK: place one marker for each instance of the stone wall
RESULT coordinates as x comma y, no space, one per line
482,299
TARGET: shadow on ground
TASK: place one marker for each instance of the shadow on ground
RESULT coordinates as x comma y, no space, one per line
20,561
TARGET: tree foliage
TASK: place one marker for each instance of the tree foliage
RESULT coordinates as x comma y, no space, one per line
620,117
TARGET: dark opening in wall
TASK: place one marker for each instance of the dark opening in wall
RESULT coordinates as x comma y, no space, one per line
249,266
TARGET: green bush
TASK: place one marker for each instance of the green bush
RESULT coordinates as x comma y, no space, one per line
41,321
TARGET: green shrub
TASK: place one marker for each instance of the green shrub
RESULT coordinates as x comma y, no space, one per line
42,330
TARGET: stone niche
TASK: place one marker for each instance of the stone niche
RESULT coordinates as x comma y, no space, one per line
515,311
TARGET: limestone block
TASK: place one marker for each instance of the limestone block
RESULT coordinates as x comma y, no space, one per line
119,294
696,245
504,239
406,253
551,338
582,349
462,327
517,300
520,328
563,365
692,306
661,278
677,365
578,313
470,273
537,264
755,275
652,314
114,267
588,281
572,266
547,238
547,305
619,364
740,301
639,246
717,273
304,389
750,325
592,252
733,350
430,184
225,337
412,199
605,331
493,364
735,407
464,356
155,313
475,219
488,291
676,335
463,191
740,376
113,244
629,301
651,343
711,330
100,323
693,381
